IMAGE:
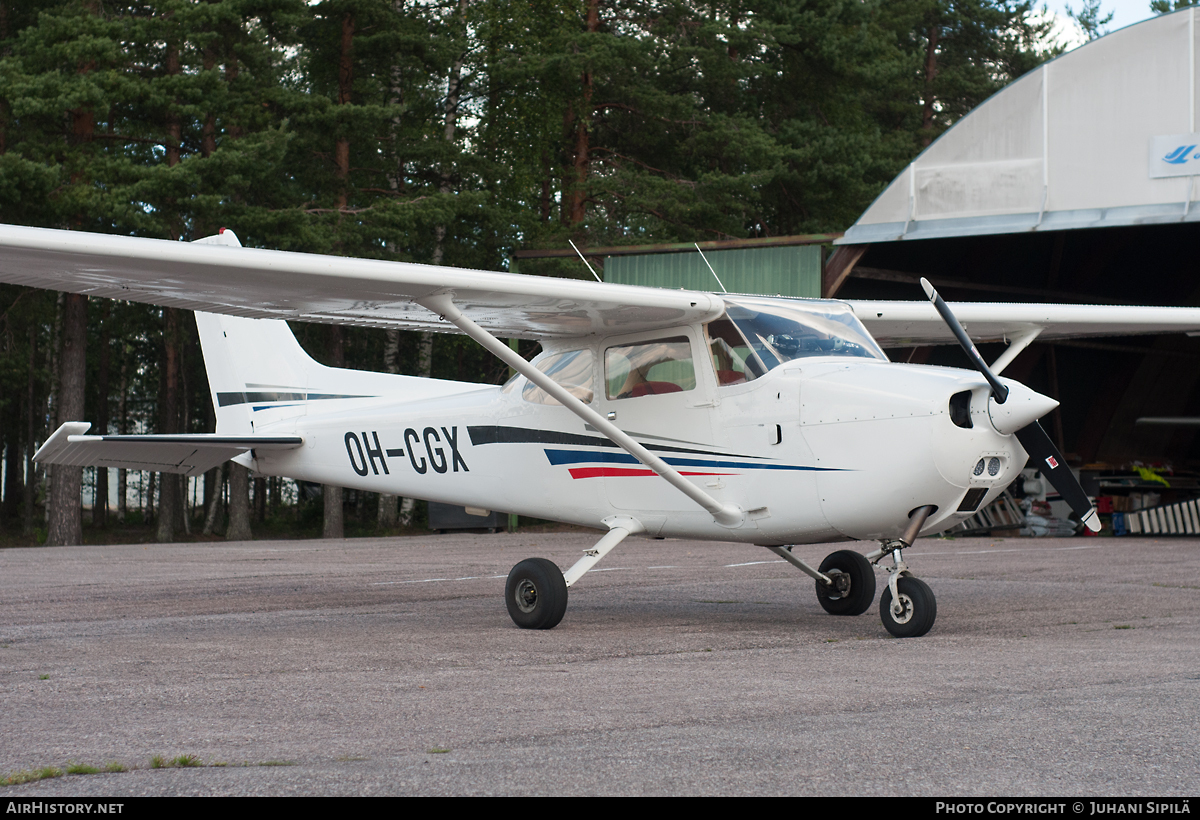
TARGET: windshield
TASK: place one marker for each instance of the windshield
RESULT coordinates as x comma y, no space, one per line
779,331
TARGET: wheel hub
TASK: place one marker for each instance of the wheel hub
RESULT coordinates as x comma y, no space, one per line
840,587
526,596
902,609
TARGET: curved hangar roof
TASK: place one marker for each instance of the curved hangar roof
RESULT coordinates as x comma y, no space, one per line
1104,135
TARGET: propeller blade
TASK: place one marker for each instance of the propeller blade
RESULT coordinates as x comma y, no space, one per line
999,391
1032,437
1043,452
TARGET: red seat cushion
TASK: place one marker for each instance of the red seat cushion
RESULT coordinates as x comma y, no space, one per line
654,388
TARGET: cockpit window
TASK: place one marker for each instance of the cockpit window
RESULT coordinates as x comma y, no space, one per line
780,331
572,370
732,358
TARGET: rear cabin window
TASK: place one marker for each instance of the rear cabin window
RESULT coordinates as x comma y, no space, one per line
572,370
649,368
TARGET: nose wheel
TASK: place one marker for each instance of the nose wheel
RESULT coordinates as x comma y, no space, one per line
907,606
911,612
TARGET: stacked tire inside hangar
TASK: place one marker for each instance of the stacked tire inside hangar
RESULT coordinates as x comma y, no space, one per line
1077,183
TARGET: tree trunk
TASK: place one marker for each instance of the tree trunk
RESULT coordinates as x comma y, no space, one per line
581,167
47,470
260,500
123,429
930,76
345,89
170,494
66,522
239,504
100,498
172,503
396,98
148,510
449,125
14,467
388,516
212,510
334,526
30,404
213,478
425,371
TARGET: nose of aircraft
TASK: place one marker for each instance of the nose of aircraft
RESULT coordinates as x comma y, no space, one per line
1023,407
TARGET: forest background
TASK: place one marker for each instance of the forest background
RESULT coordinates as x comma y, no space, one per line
449,133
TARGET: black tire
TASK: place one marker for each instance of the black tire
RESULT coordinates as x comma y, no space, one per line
854,599
536,594
920,608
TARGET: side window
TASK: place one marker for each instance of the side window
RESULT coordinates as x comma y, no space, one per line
732,358
649,368
572,370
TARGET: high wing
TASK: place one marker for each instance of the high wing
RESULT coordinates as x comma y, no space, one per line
906,324
221,277
189,454
216,278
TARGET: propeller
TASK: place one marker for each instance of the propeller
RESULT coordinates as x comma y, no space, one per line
1031,435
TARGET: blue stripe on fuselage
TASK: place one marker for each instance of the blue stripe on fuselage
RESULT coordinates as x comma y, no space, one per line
583,457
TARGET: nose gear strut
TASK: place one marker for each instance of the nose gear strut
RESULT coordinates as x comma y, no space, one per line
907,606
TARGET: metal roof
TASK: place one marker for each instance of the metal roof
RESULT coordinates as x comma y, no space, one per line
773,271
1104,135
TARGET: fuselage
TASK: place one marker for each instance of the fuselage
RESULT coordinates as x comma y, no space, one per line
816,449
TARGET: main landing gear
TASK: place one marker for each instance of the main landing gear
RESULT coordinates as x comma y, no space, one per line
536,590
536,594
853,583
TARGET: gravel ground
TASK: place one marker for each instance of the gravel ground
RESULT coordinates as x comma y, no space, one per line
389,666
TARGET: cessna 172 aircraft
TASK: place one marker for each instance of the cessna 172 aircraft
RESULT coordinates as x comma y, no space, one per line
766,421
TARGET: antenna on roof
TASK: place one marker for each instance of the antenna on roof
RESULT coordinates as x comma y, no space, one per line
710,267
589,267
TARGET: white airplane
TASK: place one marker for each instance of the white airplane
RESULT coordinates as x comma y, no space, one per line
765,421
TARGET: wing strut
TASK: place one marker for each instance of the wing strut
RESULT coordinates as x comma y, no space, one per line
727,515
1019,342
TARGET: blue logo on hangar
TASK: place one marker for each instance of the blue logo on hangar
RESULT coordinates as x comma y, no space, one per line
1180,155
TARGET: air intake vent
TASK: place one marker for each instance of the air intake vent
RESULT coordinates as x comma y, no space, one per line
972,498
960,409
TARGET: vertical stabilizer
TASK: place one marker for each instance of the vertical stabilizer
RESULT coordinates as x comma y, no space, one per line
253,363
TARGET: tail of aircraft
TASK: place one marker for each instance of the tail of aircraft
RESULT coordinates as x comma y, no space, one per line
251,362
257,371
259,374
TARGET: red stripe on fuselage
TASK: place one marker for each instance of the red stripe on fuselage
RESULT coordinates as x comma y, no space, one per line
618,472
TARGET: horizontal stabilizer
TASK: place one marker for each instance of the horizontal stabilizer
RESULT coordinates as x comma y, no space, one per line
189,454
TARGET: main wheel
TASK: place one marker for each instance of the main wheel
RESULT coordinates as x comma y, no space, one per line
853,583
918,608
536,594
